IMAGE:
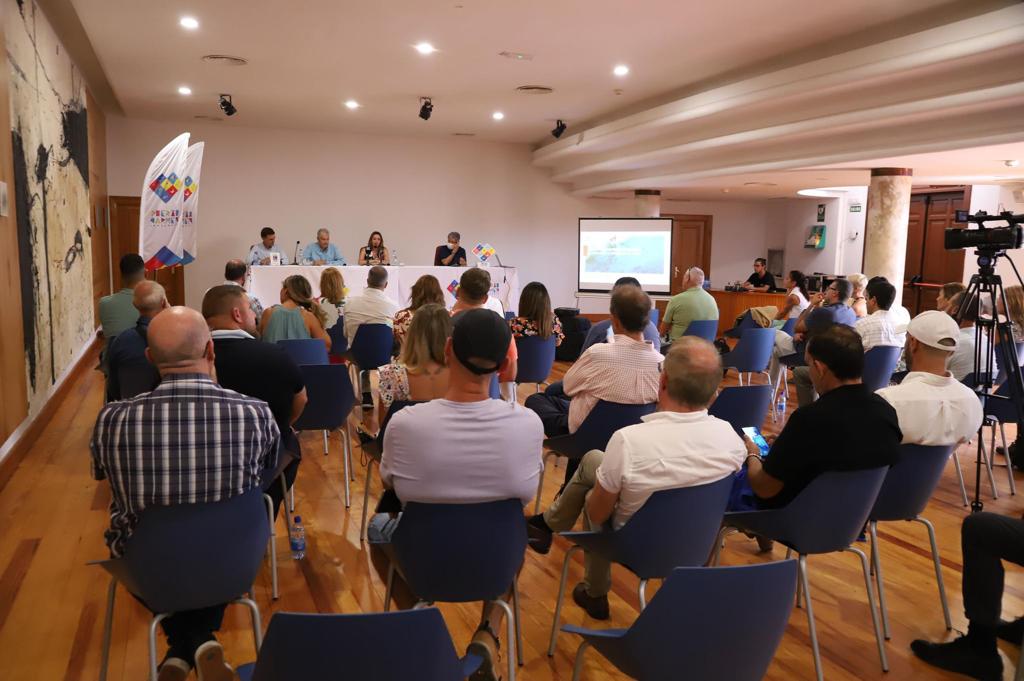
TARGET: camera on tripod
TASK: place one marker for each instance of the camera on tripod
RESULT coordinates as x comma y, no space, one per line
987,239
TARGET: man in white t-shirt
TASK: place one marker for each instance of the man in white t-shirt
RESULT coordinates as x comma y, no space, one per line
680,445
933,407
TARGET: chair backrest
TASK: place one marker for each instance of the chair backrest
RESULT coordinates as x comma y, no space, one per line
372,345
330,397
456,553
509,315
1002,409
790,326
339,343
358,646
654,316
305,350
909,484
536,357
135,378
600,424
191,556
753,350
494,389
742,406
879,363
714,622
702,328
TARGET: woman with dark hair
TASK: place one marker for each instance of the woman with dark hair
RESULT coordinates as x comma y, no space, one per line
795,283
375,252
536,317
426,290
298,315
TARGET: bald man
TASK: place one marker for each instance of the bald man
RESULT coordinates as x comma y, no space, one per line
129,373
201,443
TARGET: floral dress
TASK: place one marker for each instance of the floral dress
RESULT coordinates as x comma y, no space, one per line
394,383
403,319
521,326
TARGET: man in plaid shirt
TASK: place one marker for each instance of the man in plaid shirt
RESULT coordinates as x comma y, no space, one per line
188,441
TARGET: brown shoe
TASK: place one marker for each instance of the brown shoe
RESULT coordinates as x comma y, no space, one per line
484,646
174,669
210,663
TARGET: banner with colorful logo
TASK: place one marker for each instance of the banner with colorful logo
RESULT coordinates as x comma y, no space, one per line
160,214
483,252
190,205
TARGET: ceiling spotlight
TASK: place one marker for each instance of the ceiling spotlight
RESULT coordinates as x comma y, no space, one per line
559,129
621,70
425,48
191,23
227,106
1012,163
352,104
497,115
426,108
184,90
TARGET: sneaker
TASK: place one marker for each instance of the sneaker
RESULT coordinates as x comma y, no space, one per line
539,533
1011,632
174,669
210,663
962,657
596,606
482,648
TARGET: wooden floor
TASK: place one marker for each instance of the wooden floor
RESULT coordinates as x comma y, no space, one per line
51,604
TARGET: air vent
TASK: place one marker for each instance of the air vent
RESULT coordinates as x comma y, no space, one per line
534,90
464,134
225,60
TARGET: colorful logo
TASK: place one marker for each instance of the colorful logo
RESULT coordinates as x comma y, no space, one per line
166,186
483,252
453,287
190,187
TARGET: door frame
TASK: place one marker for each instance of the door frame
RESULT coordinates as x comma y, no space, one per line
167,276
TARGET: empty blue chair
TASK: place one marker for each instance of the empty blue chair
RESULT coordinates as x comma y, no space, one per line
751,353
704,624
373,452
305,350
462,553
827,516
675,527
904,495
790,326
536,357
1019,358
339,343
879,363
654,316
330,401
188,557
702,328
372,345
999,410
742,406
359,646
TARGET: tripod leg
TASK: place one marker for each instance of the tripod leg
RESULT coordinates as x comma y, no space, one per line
1006,455
985,459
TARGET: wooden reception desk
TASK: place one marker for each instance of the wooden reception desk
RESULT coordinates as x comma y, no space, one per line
731,304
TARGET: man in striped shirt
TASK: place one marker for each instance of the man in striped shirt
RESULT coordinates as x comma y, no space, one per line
188,441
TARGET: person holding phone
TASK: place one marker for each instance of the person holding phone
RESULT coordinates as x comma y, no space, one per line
375,252
451,253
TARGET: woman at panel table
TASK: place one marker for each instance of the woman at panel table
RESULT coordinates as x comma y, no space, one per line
375,252
451,253
298,315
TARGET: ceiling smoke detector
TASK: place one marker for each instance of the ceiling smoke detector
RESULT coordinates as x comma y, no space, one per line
224,60
534,90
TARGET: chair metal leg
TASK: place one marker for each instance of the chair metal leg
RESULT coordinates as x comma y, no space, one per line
988,463
348,450
577,668
291,499
519,628
345,466
257,624
1006,456
108,627
540,481
391,584
366,500
510,634
938,570
876,562
960,477
871,604
810,617
719,541
157,619
561,595
326,443
642,591
272,547
286,493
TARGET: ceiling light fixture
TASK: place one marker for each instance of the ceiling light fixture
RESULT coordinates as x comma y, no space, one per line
621,70
227,106
184,90
352,104
426,108
191,23
425,48
559,129
497,115
1011,163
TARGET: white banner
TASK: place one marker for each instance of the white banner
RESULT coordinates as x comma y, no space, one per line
190,205
160,214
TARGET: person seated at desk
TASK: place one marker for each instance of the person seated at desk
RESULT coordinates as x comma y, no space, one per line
259,254
761,279
451,254
375,252
322,251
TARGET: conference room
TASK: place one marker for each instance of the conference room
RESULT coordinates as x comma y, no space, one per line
467,340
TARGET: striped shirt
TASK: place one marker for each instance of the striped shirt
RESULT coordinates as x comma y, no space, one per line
879,328
188,441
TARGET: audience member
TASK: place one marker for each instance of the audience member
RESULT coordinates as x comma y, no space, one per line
691,305
600,332
858,300
322,251
129,373
795,283
332,296
680,445
372,307
234,273
464,448
1015,313
261,370
117,311
200,443
471,295
946,294
536,318
879,326
962,362
426,290
420,373
298,316
261,253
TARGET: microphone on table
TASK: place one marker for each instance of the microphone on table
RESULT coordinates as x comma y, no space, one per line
296,258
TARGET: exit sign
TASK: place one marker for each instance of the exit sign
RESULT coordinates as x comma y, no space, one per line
854,207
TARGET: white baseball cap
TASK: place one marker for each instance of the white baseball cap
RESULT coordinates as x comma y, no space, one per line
935,329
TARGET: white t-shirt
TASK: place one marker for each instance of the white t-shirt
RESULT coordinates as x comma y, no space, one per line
373,307
463,452
495,305
666,451
934,410
962,362
801,305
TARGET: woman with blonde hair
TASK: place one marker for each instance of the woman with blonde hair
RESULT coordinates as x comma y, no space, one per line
298,315
426,290
857,301
332,296
420,373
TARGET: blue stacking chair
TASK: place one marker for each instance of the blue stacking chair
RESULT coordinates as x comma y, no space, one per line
509,315
462,553
305,350
595,431
790,326
339,343
827,516
330,401
494,390
372,345
746,322
752,353
702,328
536,357
374,451
742,406
654,316
904,495
134,379
879,363
999,411
675,527
359,646
691,629
188,557
1001,376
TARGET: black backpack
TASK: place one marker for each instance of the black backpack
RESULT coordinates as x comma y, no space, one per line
575,329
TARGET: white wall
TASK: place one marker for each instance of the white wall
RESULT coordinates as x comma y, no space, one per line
790,220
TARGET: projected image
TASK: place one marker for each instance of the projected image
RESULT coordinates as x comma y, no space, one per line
623,253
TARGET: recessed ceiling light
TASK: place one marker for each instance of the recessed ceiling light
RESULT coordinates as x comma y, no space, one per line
1012,163
352,104
425,48
191,23
184,90
621,70
726,191
497,115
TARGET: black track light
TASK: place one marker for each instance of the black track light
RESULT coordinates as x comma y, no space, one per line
559,129
426,108
227,106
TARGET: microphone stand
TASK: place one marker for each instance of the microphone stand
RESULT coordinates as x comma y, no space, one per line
295,260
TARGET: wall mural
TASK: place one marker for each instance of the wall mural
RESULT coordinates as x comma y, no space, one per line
51,188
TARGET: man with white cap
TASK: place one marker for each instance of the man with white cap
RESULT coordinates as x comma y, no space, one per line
933,407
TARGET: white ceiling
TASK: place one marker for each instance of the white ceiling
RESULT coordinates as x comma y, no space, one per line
307,57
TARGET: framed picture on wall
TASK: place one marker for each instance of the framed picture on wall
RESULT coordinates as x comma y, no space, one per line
816,237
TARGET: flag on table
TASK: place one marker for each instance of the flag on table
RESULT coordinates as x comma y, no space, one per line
160,214
189,231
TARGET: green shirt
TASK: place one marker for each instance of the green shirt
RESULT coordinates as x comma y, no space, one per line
691,305
117,313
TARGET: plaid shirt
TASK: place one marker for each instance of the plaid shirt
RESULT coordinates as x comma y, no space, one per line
879,329
188,441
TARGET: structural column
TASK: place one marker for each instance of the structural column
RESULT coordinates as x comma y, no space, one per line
647,203
885,229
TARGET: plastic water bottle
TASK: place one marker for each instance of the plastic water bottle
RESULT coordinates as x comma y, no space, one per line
297,539
395,258
780,407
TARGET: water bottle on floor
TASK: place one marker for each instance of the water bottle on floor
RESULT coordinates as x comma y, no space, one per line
298,539
780,407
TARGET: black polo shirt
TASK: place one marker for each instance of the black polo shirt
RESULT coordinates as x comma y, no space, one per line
766,279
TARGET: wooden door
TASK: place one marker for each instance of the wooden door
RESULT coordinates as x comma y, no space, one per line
691,246
931,214
124,238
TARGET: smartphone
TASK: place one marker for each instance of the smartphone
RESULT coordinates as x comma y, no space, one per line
755,436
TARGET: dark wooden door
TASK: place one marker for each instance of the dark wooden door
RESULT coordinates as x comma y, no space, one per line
691,246
124,238
928,262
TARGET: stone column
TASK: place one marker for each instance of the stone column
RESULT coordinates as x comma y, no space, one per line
647,203
885,229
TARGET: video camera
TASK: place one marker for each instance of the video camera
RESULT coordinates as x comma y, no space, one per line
986,239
